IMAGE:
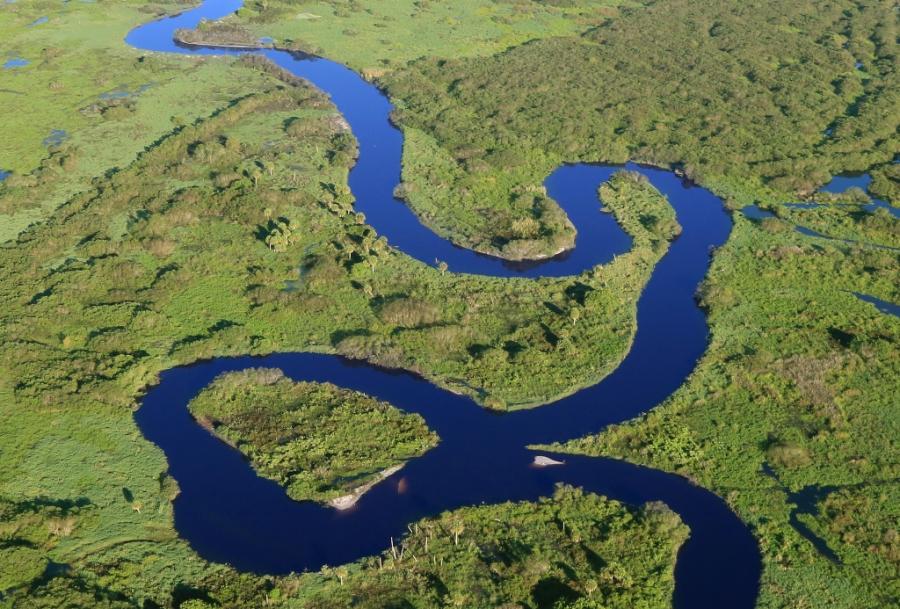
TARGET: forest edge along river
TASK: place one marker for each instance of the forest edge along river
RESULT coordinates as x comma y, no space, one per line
229,514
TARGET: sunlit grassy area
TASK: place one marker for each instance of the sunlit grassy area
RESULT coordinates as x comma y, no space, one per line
374,36
106,101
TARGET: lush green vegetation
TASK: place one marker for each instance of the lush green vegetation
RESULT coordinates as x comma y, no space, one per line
374,37
175,217
758,101
506,215
192,251
317,440
762,101
571,550
110,101
800,377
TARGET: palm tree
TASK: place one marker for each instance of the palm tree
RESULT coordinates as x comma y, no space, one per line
341,572
457,527
575,315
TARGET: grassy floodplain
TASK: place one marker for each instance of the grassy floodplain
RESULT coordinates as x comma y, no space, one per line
500,217
758,102
797,391
235,234
105,101
761,103
373,37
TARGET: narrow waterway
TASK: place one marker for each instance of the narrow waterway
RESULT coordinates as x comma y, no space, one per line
229,514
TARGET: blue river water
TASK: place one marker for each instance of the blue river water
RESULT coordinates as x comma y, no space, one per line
888,308
229,514
842,183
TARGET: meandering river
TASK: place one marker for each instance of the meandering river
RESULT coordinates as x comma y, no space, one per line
229,514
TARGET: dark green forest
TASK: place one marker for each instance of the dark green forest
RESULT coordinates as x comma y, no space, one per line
757,100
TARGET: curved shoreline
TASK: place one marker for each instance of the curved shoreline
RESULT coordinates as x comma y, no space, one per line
229,514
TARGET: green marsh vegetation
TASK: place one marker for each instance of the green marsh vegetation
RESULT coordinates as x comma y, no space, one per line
800,378
878,228
760,102
570,550
192,251
235,234
317,440
111,101
197,241
756,101
374,37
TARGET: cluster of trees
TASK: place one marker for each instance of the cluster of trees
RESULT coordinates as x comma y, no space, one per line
500,217
319,441
218,33
572,550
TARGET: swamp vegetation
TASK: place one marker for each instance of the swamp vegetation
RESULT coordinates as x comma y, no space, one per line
236,234
317,440
198,207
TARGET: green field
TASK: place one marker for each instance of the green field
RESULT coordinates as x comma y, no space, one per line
373,37
111,101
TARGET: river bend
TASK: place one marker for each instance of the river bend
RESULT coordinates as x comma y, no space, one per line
229,514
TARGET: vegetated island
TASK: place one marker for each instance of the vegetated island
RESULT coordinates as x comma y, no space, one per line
575,550
321,442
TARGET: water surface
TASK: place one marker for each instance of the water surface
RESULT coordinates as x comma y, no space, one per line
888,308
15,62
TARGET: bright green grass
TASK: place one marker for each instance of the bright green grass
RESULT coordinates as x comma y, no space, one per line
77,56
375,36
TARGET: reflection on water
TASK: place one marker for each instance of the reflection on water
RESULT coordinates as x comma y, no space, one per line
842,183
754,212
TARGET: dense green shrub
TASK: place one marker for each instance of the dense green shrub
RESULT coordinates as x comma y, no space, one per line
318,440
